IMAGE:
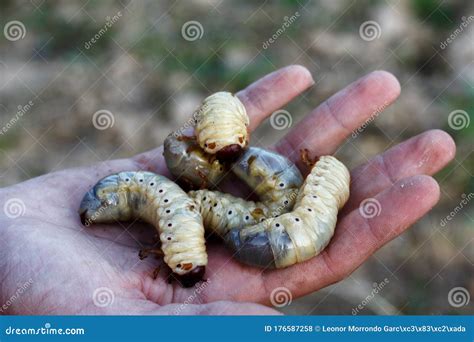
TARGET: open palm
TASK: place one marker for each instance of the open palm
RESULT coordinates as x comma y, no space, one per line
66,268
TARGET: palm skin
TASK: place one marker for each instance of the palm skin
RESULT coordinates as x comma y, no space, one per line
67,262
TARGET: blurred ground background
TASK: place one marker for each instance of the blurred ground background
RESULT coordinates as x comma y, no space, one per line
144,72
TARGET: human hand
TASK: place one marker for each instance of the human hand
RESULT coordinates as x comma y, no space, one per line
71,269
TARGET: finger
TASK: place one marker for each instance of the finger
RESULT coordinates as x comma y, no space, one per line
273,92
426,153
260,99
357,237
322,131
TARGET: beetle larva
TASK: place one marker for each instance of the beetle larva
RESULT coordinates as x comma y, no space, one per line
189,163
157,200
222,125
302,233
273,178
